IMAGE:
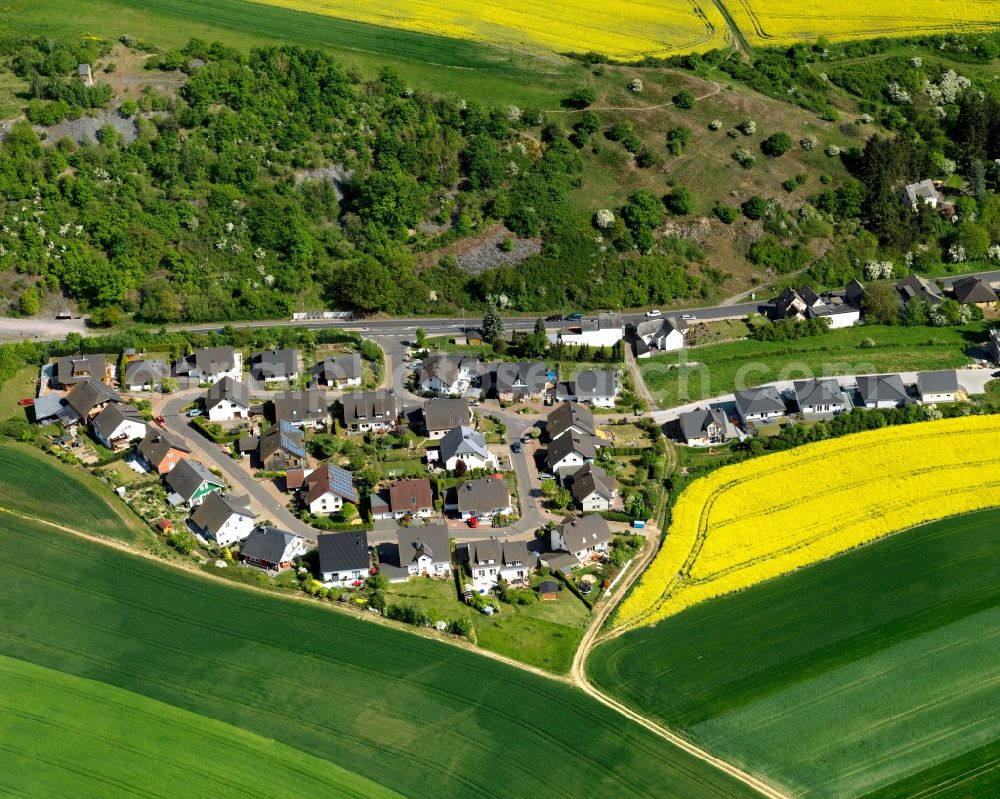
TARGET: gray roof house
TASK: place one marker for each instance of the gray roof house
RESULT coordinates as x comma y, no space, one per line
344,558
210,364
491,558
118,425
882,391
940,386
569,452
339,371
759,404
448,374
370,410
419,551
483,498
924,192
72,369
274,365
190,482
515,381
466,445
224,518
703,427
227,399
664,334
160,451
819,398
88,397
145,375
444,414
302,408
584,537
271,549
973,290
599,387
915,287
282,446
570,417
593,488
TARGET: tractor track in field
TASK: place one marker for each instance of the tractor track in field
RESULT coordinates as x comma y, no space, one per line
577,676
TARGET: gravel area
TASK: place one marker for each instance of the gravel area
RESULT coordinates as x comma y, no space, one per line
85,129
335,174
488,253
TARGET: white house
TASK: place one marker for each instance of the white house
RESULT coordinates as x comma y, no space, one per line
490,559
341,371
593,488
145,375
583,538
759,404
606,331
570,417
939,386
569,452
443,414
882,391
344,558
664,334
227,400
118,425
325,489
271,549
420,552
466,445
598,387
704,427
818,398
448,374
211,364
483,499
275,365
225,519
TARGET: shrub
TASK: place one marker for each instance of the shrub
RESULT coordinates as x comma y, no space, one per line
776,145
684,99
744,157
725,213
680,201
747,127
754,208
581,98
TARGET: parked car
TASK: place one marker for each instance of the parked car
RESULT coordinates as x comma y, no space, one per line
554,318
526,438
544,476
516,447
26,401
160,421
575,317
688,316
194,412
473,403
653,314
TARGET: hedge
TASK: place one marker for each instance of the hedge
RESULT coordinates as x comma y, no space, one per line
573,589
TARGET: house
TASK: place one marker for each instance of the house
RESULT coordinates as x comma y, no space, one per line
917,195
520,381
836,309
225,519
759,404
704,427
190,482
272,549
664,334
73,369
605,331
915,287
583,538
160,452
344,558
819,397
448,374
483,498
327,488
210,365
83,73
882,391
341,371
598,387
490,559
569,452
940,386
570,417
275,365
466,445
89,397
443,414
302,409
854,293
119,425
370,410
419,552
593,489
404,498
146,375
227,400
282,446
994,345
973,290
792,304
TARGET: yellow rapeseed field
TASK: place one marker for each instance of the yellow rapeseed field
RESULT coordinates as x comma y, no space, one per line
628,29
753,521
766,22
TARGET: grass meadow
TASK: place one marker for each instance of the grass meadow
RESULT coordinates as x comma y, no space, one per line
414,715
874,672
149,743
717,369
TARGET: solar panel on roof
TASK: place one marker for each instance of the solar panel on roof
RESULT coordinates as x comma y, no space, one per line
341,481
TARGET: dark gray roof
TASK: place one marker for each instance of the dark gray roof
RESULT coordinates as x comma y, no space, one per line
112,416
282,436
267,544
882,388
587,531
344,551
765,399
48,406
274,364
571,442
370,406
916,286
548,587
187,477
923,190
87,395
139,373
340,367
854,292
568,415
461,441
71,369
592,478
527,378
446,368
940,382
211,514
693,424
234,391
500,552
207,361
483,494
664,325
595,383
156,444
825,391
445,414
432,540
973,289
301,406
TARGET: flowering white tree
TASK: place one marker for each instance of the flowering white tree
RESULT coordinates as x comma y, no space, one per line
715,124
747,127
808,142
916,62
605,218
833,150
956,253
878,270
744,157
897,94
513,113
635,85
993,253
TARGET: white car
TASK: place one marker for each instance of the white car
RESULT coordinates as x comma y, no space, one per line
194,412
654,313
688,316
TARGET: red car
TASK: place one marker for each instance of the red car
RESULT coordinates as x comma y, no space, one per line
160,421
27,401
473,521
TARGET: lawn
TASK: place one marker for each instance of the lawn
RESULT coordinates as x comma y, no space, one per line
37,484
20,386
412,714
872,672
718,369
148,745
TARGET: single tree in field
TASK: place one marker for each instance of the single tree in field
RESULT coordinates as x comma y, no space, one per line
492,324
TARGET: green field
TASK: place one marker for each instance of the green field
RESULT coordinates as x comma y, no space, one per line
37,484
435,63
153,747
873,672
414,715
722,367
